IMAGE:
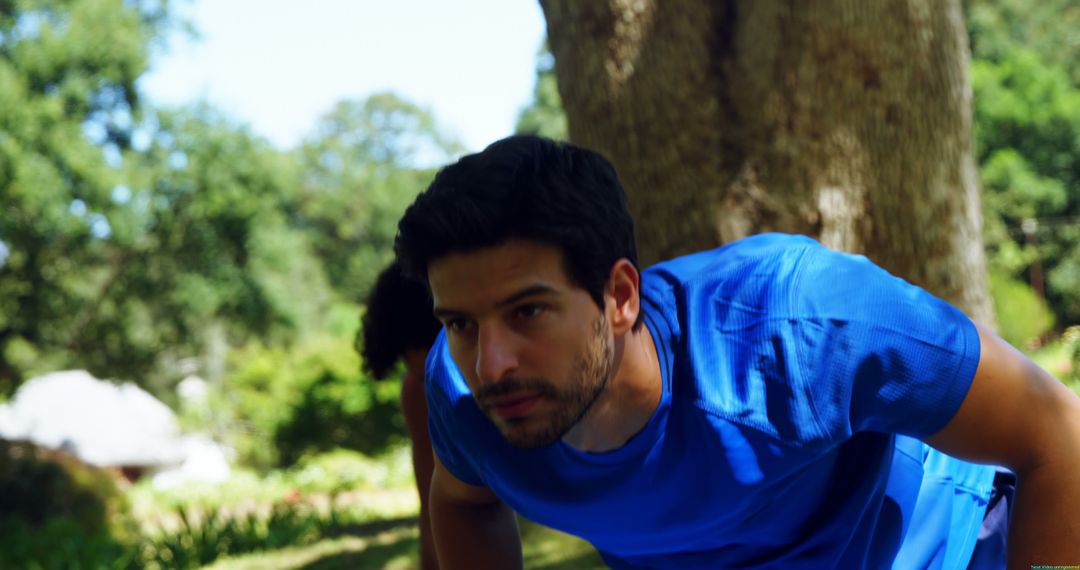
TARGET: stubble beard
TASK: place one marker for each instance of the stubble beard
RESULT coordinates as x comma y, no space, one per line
593,369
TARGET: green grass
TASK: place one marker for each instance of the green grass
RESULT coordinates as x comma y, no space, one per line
393,545
384,534
548,549
390,544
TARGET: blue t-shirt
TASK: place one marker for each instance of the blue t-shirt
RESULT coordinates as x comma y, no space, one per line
797,381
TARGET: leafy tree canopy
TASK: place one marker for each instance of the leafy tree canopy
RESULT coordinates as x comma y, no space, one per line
67,107
362,166
1027,127
544,115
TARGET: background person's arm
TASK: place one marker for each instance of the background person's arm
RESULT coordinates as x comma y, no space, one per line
414,408
1017,415
473,529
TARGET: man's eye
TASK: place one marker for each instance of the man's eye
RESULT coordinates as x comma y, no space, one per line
529,311
457,325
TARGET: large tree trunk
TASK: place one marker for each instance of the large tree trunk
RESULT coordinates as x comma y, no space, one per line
845,120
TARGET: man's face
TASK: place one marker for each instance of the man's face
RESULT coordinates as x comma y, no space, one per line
535,350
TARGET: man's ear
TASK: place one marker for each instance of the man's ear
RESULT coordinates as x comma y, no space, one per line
623,296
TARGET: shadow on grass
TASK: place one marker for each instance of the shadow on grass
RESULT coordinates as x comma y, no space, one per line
393,543
586,560
547,549
381,555
390,539
374,556
374,527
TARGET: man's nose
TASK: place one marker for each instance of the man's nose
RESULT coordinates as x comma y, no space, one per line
496,354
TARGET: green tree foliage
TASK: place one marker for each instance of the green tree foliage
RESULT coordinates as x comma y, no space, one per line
544,115
129,239
306,398
354,177
1027,125
135,241
204,241
67,102
341,410
1051,29
1022,315
360,169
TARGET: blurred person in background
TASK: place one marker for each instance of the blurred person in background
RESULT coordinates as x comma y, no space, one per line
399,325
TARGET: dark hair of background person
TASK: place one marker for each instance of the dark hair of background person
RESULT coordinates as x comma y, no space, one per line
524,187
398,319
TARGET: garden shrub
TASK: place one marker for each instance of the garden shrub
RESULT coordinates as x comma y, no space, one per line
58,512
1022,316
37,484
276,404
341,411
1071,340
61,542
343,470
203,538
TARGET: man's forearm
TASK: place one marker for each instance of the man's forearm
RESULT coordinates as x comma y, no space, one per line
475,537
1045,525
428,559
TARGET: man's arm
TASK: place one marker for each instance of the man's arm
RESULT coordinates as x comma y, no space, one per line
473,529
1017,415
414,408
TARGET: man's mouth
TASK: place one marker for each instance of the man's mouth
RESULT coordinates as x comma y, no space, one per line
513,405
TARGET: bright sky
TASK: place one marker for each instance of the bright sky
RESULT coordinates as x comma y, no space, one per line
278,65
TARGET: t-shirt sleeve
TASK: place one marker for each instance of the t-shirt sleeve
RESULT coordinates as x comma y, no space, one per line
447,428
878,353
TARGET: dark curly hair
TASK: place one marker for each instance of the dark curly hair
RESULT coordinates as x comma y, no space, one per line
524,187
398,319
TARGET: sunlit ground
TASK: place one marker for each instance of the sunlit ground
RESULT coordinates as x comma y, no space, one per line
392,544
385,534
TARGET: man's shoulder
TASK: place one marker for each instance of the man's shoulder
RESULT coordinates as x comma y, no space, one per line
751,251
442,379
750,269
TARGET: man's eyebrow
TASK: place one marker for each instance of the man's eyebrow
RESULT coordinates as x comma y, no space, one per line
441,313
526,293
533,290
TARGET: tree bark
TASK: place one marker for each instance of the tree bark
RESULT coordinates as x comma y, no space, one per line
845,120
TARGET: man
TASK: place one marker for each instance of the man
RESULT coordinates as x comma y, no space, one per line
762,405
398,325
